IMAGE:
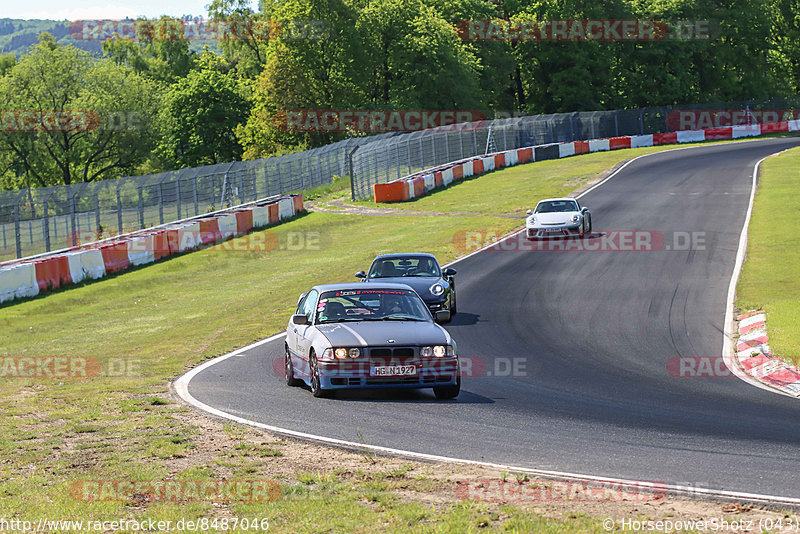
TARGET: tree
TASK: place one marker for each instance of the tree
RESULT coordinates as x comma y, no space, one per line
416,58
7,61
68,117
159,51
199,115
309,66
243,35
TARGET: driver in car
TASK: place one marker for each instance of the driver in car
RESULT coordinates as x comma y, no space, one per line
392,304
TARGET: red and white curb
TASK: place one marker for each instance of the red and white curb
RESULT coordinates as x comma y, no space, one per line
753,332
756,360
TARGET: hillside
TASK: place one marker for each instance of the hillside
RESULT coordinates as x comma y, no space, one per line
17,35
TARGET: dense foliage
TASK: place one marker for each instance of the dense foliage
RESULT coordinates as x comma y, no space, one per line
229,101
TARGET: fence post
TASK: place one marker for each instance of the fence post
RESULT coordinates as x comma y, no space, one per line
408,150
397,159
474,141
178,194
280,175
119,204
72,216
160,203
16,226
97,208
194,195
349,160
266,180
141,205
45,224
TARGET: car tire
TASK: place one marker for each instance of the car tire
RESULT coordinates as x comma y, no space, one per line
589,218
449,392
316,388
582,231
452,303
287,365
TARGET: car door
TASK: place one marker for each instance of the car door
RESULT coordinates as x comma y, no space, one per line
303,332
291,331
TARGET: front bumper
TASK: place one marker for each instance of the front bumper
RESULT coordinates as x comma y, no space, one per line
553,231
430,372
437,305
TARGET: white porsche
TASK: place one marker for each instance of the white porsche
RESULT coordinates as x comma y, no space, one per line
558,217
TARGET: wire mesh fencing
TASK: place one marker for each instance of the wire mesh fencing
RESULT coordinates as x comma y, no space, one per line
395,157
39,220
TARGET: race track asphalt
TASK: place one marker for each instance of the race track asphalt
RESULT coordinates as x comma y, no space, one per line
591,334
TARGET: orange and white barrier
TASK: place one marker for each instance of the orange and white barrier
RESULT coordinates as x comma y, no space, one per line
260,216
141,250
418,184
285,208
18,281
28,277
226,224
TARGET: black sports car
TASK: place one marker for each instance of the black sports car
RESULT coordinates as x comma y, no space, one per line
422,272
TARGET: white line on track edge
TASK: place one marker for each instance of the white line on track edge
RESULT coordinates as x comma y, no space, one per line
181,387
728,353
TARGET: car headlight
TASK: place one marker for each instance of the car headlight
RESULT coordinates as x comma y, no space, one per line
437,351
354,353
532,220
437,289
340,353
576,218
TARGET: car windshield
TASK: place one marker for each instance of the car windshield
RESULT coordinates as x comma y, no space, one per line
370,305
404,266
555,206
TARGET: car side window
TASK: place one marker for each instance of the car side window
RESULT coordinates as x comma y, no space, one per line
309,303
299,310
373,270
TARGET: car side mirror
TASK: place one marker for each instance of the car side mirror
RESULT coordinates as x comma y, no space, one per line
529,212
584,209
299,319
442,316
449,271
361,274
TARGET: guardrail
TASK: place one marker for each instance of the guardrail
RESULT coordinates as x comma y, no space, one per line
420,183
31,276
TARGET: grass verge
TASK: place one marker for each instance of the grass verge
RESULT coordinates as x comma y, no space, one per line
769,279
147,326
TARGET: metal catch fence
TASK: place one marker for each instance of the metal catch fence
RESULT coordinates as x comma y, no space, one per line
395,157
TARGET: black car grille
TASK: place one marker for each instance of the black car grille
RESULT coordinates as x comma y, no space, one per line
396,352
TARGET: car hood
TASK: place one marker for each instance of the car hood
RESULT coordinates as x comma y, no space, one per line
560,217
420,284
378,333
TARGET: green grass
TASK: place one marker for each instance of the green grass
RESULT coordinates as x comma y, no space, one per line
333,189
154,323
770,277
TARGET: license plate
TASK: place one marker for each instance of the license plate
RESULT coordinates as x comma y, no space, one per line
393,370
